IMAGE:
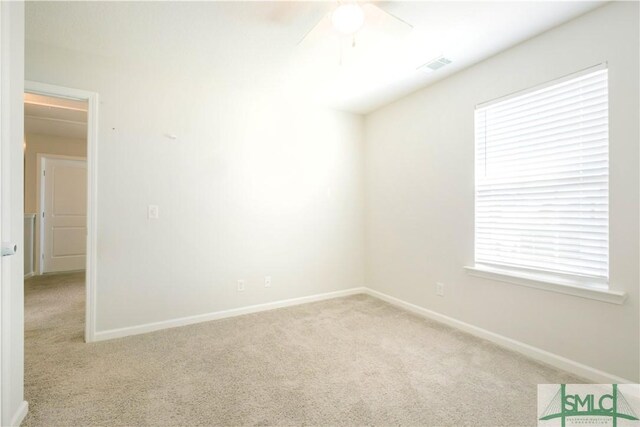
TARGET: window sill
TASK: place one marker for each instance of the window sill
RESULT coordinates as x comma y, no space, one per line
545,283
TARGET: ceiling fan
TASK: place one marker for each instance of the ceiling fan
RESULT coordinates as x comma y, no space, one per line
347,18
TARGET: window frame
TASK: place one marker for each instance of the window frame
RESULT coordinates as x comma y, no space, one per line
573,284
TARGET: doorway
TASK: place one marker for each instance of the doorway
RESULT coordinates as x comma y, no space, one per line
65,186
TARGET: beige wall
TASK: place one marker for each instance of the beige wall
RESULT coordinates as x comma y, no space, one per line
420,194
45,144
259,181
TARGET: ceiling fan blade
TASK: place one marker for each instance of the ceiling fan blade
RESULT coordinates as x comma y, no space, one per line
317,25
323,27
382,23
287,12
392,15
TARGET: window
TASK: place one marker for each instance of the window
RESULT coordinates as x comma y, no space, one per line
542,174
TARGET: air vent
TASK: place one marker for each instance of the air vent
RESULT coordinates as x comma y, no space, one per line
435,64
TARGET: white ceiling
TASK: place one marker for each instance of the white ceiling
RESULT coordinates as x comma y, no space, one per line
52,116
264,37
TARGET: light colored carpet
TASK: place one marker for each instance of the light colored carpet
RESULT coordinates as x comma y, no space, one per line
347,361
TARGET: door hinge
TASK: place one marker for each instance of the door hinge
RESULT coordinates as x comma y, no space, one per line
44,173
42,214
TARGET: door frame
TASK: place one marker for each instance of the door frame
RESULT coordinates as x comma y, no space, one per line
92,189
3,80
40,204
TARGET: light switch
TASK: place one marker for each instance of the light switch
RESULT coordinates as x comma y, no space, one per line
154,212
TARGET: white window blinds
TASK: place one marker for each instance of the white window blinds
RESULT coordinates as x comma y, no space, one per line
542,173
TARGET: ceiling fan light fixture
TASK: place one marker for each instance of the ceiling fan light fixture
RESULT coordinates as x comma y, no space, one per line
348,18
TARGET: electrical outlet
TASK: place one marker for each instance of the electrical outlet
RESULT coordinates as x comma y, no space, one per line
267,281
153,212
240,285
440,289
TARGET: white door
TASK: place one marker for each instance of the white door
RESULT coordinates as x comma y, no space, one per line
63,214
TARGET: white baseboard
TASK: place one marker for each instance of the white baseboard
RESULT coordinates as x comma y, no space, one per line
190,320
532,352
31,274
18,417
